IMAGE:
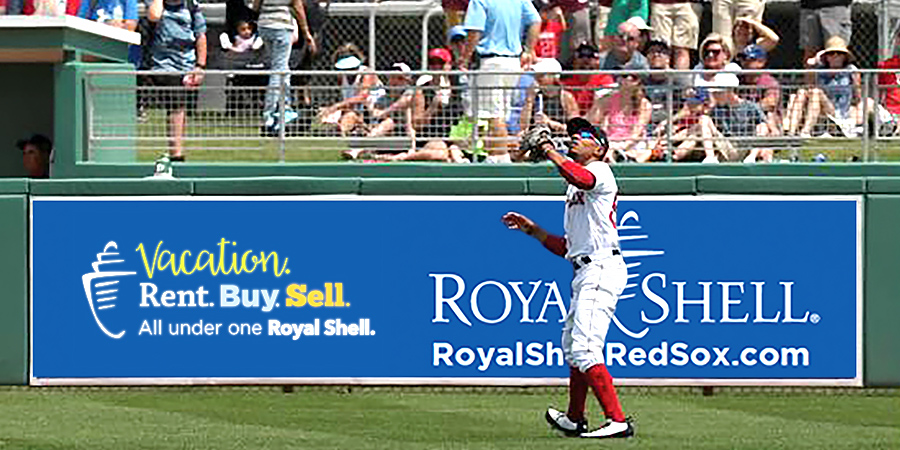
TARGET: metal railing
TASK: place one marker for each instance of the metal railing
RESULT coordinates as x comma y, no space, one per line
429,116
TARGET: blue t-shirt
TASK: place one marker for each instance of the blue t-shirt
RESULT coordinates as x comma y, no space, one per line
502,23
175,38
108,10
838,87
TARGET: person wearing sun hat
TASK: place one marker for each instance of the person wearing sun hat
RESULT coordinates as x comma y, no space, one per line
835,92
820,20
357,96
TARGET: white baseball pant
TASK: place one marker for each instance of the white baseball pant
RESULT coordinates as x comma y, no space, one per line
595,291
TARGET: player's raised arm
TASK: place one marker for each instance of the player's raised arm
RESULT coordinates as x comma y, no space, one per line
552,242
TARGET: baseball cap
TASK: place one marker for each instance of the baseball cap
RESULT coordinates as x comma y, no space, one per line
348,62
639,23
753,51
402,67
547,65
580,125
40,141
457,32
586,50
696,96
440,53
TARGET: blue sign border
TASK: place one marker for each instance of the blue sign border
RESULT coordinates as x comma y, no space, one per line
857,380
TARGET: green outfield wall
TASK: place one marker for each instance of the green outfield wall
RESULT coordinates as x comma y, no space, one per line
881,220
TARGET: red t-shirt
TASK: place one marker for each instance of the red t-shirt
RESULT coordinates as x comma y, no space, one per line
890,80
547,45
584,88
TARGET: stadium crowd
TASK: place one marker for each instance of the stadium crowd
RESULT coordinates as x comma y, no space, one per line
724,113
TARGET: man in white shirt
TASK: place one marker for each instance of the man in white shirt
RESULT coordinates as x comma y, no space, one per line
591,244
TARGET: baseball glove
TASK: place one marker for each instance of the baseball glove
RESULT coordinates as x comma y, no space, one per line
533,141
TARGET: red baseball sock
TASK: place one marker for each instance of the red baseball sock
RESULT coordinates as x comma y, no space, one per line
601,382
578,387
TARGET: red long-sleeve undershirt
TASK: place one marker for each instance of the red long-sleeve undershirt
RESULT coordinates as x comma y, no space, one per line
556,244
577,175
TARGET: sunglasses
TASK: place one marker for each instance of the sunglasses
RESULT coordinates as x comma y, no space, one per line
712,52
628,76
586,135
627,37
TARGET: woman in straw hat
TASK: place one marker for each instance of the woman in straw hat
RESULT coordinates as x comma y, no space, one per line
837,93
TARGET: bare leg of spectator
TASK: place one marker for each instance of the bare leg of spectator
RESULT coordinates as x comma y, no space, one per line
383,128
795,111
177,119
708,132
812,113
496,142
349,121
857,111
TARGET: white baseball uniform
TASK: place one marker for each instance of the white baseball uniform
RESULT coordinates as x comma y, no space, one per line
600,274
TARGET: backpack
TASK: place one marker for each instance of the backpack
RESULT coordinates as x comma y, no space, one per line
147,29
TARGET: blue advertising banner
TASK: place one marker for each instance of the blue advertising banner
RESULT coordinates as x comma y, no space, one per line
721,289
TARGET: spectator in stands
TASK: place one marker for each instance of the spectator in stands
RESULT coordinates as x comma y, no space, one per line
715,54
624,115
540,99
725,13
36,155
820,20
694,135
739,119
359,96
275,27
625,49
748,31
118,13
662,87
761,88
677,22
178,55
838,93
495,29
584,87
393,113
889,82
577,25
437,105
245,38
644,31
621,11
553,25
308,54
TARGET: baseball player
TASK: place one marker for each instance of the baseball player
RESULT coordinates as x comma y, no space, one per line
591,244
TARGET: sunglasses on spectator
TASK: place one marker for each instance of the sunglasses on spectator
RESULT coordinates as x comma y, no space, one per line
627,37
629,76
709,52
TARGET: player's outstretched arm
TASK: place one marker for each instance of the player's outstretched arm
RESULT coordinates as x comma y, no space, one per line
516,221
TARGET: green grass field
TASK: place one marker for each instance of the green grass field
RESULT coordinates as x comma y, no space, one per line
394,418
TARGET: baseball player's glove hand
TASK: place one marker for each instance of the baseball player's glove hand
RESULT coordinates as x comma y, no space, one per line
533,141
